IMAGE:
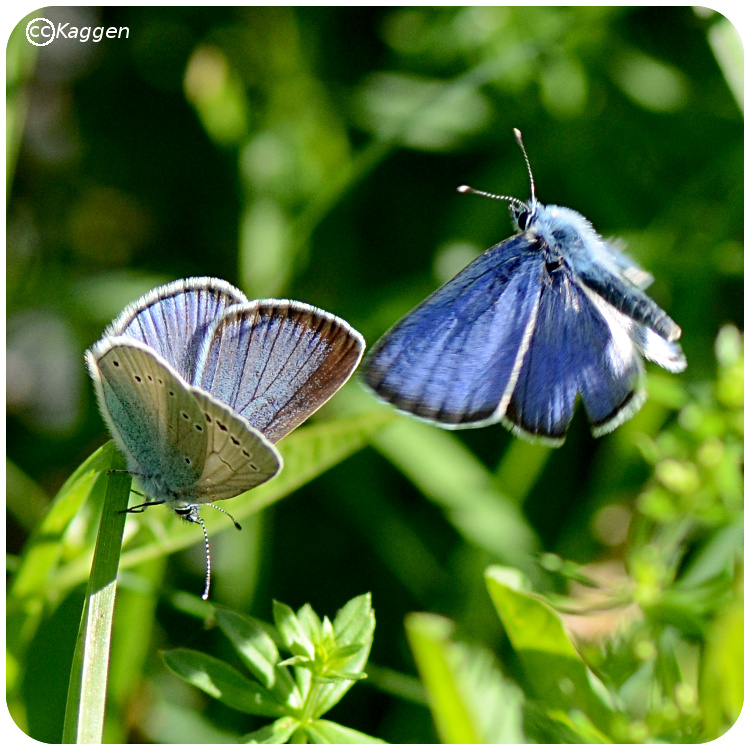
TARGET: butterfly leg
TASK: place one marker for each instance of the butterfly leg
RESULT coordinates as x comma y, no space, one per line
140,508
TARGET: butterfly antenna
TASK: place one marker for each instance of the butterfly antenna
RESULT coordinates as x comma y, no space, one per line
226,513
519,141
515,202
509,198
204,595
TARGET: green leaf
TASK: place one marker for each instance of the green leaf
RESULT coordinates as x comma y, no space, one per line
321,731
254,645
295,638
428,635
310,623
44,549
274,734
354,625
223,682
307,453
25,500
448,474
87,690
470,700
30,590
355,621
553,727
554,671
721,671
260,655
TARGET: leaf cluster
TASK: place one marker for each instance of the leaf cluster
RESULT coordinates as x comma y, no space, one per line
327,658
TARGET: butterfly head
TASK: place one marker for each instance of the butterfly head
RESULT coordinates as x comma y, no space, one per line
188,512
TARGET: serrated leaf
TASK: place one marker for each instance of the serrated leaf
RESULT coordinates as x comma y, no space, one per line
223,682
321,731
259,653
554,670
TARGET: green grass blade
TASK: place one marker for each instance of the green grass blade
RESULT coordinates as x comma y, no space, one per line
447,473
87,691
43,550
428,639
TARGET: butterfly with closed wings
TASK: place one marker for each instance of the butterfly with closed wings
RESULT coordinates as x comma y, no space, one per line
196,384
546,316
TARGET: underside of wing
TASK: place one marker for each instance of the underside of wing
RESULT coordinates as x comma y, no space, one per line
275,362
237,457
151,413
579,345
454,358
173,319
187,447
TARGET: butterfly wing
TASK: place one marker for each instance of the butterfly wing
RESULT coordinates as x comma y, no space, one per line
579,344
275,362
629,299
183,446
173,319
238,457
455,358
142,400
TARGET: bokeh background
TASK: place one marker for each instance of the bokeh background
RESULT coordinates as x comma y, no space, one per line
313,153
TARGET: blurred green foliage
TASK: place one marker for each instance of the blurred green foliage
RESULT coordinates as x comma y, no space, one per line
658,641
313,153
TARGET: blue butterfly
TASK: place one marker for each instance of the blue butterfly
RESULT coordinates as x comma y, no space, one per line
549,314
196,384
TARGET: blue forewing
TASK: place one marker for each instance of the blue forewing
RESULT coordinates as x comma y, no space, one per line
173,319
275,362
547,316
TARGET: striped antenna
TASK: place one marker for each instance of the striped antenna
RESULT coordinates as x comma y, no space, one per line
519,141
199,520
515,202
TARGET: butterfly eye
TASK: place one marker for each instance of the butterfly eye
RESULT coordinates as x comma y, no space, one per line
522,219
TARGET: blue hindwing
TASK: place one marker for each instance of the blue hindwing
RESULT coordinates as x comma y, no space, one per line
580,344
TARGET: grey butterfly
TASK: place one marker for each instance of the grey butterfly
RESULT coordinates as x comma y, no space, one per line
196,384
